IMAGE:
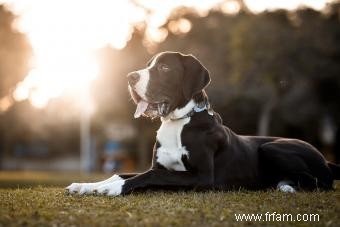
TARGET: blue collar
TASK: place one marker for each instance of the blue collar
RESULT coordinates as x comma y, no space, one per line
198,109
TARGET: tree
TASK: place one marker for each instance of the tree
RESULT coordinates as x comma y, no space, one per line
14,53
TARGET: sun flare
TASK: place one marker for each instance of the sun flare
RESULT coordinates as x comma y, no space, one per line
64,35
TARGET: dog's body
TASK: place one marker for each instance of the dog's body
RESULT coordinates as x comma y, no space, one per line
195,150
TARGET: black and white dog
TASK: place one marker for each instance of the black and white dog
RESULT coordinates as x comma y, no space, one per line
194,150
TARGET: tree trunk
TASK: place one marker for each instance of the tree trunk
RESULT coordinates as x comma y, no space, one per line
142,153
265,118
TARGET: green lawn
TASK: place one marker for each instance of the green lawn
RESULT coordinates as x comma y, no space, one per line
46,206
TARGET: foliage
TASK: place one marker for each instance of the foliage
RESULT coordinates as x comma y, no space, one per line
14,53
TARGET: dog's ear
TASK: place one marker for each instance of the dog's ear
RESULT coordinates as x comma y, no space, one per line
196,76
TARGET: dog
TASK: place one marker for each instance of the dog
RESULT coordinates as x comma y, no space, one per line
194,150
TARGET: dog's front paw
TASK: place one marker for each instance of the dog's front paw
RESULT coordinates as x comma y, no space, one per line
90,188
73,188
82,188
110,189
87,188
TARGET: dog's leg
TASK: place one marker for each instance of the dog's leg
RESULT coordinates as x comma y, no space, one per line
87,188
156,178
297,161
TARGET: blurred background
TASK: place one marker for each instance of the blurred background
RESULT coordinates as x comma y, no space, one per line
64,103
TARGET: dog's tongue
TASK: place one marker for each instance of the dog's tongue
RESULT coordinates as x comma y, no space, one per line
141,108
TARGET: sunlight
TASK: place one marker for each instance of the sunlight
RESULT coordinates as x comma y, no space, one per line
64,35
66,75
230,7
180,26
5,103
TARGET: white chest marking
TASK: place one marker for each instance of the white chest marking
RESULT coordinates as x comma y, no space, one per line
170,152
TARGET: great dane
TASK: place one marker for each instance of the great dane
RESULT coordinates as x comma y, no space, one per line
194,150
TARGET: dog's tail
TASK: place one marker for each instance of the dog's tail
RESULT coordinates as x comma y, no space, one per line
335,169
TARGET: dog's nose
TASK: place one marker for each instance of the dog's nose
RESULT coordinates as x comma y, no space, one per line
133,78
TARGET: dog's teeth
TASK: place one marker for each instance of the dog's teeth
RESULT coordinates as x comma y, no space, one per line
162,108
141,108
159,108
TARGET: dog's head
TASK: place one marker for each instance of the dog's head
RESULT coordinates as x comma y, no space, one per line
169,82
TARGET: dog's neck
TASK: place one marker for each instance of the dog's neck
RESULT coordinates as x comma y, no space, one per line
197,104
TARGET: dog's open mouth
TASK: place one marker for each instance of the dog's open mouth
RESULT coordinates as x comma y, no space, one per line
142,106
146,108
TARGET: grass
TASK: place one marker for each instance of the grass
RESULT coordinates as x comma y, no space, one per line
50,206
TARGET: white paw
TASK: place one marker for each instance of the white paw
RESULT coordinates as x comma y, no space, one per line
73,188
286,188
111,189
81,188
87,188
90,188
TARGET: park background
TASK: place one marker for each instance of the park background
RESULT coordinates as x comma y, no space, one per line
64,103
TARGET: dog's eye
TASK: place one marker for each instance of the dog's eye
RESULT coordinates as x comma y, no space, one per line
163,67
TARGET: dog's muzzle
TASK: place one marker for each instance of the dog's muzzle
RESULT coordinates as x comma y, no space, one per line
133,78
147,108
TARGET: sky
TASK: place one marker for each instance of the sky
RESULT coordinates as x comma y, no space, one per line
65,33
